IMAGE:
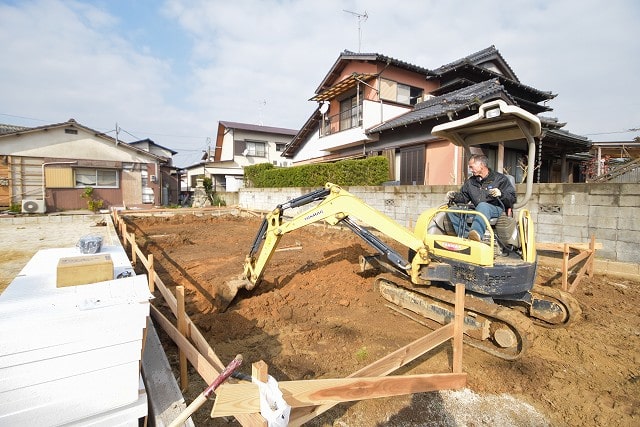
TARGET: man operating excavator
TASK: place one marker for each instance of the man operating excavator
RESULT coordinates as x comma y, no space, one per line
490,192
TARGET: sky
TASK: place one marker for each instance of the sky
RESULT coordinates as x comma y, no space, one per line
169,70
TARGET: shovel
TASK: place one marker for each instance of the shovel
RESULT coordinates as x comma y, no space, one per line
204,396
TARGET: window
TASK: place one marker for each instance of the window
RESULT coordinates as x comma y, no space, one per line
401,93
350,113
98,178
71,131
280,146
256,149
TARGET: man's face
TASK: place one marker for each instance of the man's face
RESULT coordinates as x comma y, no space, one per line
476,168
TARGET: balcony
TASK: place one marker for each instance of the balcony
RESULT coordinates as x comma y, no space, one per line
342,121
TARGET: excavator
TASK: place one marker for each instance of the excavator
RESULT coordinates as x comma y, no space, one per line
502,301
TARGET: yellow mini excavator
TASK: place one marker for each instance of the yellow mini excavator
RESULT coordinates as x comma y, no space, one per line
502,301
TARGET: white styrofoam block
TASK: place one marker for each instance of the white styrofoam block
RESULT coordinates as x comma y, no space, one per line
128,415
28,374
66,337
72,398
62,316
105,334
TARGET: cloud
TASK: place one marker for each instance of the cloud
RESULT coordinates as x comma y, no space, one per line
170,71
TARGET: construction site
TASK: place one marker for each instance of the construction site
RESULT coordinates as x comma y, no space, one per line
317,316
331,309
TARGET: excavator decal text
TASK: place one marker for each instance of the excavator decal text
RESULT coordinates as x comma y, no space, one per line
313,215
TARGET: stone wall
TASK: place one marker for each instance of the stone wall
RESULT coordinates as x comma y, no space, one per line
561,212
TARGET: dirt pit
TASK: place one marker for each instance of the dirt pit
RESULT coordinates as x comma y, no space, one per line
316,316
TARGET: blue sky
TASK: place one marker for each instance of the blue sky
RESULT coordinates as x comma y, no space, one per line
170,70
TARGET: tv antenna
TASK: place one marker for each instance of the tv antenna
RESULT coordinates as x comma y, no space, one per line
261,106
361,18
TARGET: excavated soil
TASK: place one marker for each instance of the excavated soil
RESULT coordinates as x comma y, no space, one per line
316,316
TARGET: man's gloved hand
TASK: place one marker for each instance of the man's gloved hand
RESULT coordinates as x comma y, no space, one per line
450,195
495,192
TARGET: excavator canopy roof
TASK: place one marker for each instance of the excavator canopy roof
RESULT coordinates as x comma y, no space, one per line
495,121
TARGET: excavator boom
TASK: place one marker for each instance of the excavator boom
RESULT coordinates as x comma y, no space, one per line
336,205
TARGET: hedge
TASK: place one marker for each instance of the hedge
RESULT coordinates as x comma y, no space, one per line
370,171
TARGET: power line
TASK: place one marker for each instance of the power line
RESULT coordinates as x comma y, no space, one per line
612,132
23,117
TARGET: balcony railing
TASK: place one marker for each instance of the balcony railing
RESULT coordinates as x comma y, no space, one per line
344,120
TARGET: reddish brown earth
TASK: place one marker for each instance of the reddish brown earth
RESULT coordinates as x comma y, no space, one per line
316,316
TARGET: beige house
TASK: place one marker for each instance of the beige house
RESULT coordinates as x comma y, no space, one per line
48,168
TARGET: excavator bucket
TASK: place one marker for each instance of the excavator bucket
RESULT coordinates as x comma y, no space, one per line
227,291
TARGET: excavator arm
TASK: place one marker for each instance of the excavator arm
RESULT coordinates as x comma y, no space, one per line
336,206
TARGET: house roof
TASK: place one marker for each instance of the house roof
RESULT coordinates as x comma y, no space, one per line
489,63
151,142
348,56
449,104
309,127
258,128
489,54
72,123
5,129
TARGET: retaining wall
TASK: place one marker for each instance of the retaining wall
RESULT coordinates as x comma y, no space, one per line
561,212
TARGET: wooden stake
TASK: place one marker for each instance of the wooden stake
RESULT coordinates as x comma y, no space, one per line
152,273
592,249
565,266
134,250
458,329
260,371
182,327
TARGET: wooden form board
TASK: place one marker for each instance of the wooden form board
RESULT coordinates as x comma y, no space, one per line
244,398
583,253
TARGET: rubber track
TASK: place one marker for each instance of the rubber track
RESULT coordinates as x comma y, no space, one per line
566,300
516,321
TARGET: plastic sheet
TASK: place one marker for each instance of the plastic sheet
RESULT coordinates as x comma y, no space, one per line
90,244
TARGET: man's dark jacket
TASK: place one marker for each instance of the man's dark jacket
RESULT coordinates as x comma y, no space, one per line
476,190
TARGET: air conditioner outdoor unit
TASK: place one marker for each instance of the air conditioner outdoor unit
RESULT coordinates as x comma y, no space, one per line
33,206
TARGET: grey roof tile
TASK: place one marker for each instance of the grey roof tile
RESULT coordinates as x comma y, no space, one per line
4,129
450,103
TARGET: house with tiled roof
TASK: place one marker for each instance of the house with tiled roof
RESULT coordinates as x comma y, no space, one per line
48,168
238,145
370,104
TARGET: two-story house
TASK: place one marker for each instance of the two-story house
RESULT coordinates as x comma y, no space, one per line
372,104
238,145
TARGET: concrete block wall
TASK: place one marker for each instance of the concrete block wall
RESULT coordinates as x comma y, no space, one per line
561,212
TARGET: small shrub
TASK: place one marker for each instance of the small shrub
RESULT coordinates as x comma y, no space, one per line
362,354
93,204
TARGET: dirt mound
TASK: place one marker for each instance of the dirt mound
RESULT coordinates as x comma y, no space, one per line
316,316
